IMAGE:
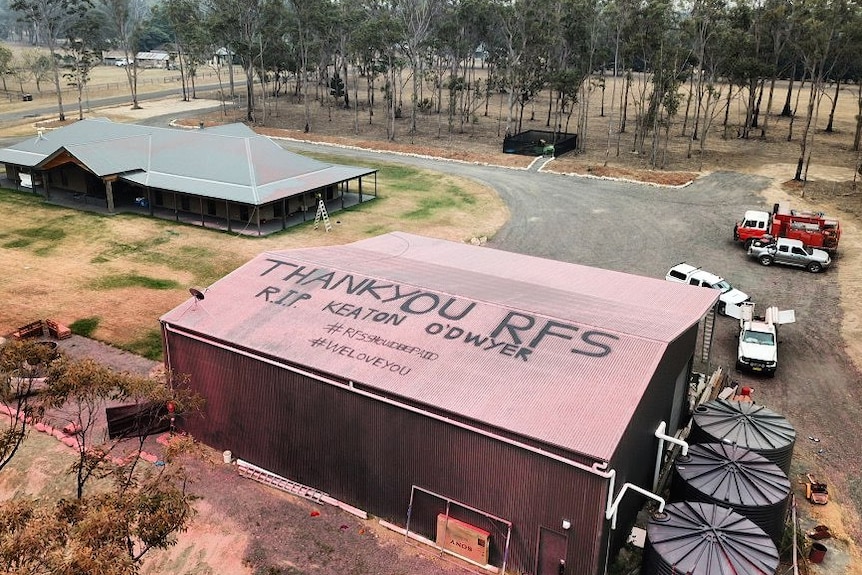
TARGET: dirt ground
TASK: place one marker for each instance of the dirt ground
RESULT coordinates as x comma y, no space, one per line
237,534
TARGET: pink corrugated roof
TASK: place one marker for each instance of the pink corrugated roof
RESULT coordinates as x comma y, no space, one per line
558,352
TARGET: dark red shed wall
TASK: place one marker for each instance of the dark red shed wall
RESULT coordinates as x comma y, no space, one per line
368,453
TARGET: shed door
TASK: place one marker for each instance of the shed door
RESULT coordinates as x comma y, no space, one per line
552,553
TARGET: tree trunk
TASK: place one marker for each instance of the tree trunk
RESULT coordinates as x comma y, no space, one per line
55,68
768,107
834,105
857,137
755,121
182,69
691,89
787,111
727,110
249,92
803,142
793,113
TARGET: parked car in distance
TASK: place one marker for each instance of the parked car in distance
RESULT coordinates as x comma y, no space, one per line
791,253
689,274
121,62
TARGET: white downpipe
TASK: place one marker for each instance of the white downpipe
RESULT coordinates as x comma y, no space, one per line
612,509
662,437
597,468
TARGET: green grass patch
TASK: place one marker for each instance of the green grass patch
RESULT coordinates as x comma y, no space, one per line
47,233
18,243
118,281
118,249
85,326
428,206
202,262
43,238
148,346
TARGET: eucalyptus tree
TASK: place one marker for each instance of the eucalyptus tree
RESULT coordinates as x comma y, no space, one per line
825,27
6,58
109,527
620,16
748,61
84,44
657,45
705,22
778,24
457,34
247,28
416,17
49,20
39,65
310,36
581,26
848,48
373,38
19,382
127,18
523,36
184,19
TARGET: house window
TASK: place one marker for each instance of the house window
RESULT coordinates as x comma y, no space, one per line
211,207
184,203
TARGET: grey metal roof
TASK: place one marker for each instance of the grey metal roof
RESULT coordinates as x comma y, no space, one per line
227,163
517,342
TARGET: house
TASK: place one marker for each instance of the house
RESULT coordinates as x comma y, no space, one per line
153,59
227,177
505,408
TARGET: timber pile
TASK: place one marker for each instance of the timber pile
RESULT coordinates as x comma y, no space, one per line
35,329
58,330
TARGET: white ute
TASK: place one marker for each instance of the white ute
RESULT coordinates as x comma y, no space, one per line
758,337
688,274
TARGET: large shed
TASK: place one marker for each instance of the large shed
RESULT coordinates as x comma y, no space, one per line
455,391
225,176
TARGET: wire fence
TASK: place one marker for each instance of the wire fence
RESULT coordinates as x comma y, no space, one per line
145,84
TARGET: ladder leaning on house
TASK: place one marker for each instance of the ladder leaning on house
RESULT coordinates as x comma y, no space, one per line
322,215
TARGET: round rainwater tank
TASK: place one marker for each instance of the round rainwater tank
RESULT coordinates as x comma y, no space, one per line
748,425
734,477
706,539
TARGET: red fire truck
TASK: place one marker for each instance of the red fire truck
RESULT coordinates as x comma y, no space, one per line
814,229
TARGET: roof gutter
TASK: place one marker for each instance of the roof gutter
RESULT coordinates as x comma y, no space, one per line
598,468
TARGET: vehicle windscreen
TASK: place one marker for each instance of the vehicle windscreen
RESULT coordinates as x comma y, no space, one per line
758,337
808,250
723,286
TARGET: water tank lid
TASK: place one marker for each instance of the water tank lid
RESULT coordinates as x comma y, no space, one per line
745,423
706,539
734,475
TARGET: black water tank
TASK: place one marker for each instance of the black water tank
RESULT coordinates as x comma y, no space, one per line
706,539
748,425
734,477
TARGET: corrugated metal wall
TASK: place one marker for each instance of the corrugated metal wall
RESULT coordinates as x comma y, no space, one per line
368,453
635,459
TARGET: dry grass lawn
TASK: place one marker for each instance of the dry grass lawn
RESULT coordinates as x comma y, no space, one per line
127,270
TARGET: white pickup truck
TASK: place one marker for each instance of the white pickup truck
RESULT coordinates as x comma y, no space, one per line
758,337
